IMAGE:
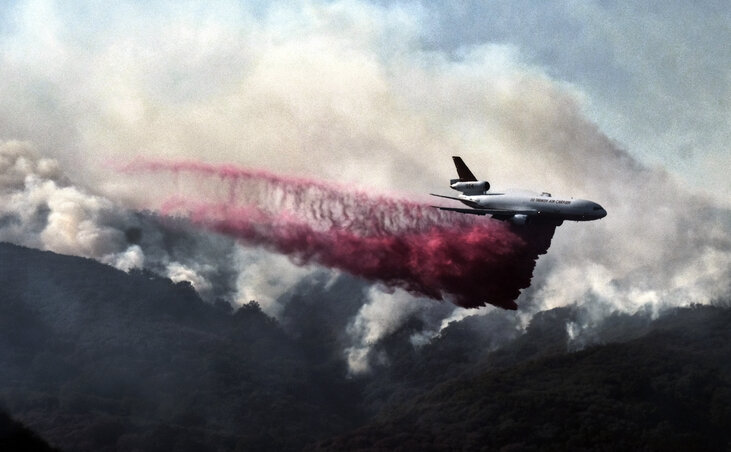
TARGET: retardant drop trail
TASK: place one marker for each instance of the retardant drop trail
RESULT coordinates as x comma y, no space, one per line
441,255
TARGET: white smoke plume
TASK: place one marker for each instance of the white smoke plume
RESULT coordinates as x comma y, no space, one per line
265,277
41,208
349,91
380,316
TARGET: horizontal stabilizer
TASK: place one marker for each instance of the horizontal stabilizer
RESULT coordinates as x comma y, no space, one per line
462,200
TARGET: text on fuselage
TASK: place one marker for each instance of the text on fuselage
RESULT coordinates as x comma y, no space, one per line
550,201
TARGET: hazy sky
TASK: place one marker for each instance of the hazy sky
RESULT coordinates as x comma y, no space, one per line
654,76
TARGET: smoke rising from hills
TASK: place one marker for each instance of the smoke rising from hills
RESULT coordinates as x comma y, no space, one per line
41,208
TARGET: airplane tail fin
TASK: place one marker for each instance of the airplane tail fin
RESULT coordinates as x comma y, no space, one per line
467,182
464,173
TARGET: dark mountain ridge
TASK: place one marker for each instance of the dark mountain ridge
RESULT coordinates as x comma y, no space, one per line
669,389
93,358
15,437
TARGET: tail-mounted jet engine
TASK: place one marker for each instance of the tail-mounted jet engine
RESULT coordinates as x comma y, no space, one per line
470,188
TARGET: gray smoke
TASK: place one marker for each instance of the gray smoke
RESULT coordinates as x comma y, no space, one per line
41,208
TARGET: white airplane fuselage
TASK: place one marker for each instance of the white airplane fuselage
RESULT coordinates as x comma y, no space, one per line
543,204
516,206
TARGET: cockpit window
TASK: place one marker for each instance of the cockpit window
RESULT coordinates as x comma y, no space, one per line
597,208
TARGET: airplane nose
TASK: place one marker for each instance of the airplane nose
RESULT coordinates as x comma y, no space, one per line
602,213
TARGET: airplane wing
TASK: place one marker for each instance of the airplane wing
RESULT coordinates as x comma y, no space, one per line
456,209
479,210
495,212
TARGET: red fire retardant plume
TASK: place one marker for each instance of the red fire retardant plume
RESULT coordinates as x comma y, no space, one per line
467,260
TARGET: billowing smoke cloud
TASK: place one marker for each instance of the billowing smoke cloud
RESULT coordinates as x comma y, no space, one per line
382,315
41,208
402,244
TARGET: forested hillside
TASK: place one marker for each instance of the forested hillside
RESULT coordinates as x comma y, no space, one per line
92,358
14,436
668,390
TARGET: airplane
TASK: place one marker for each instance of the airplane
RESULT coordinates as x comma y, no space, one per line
516,206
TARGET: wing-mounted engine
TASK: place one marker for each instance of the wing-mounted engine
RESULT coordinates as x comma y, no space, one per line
470,188
519,219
